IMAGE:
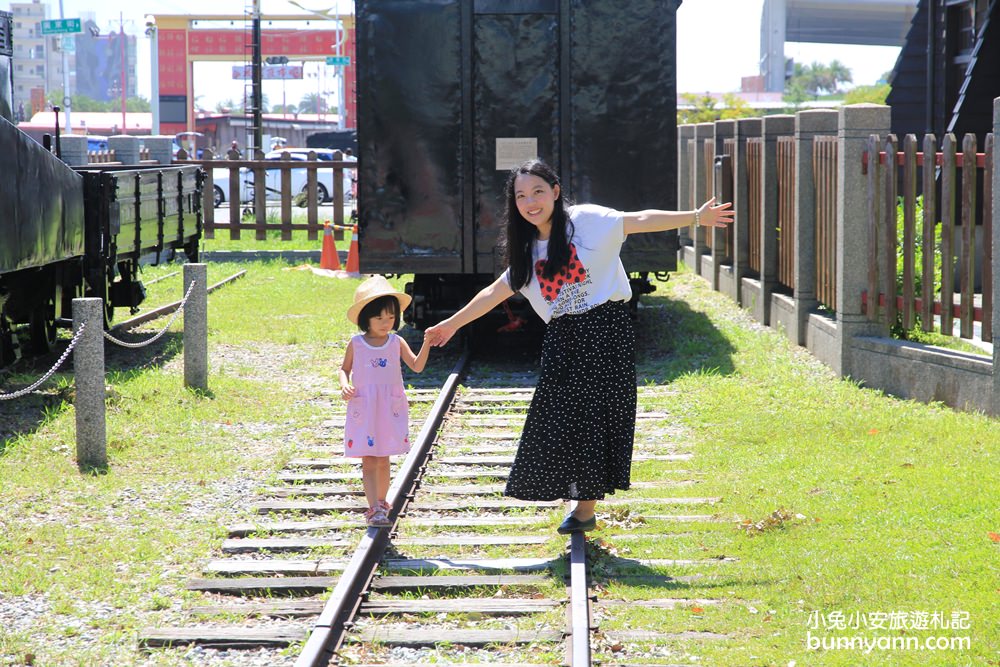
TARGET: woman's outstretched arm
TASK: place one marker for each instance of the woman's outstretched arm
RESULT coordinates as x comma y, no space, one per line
486,300
708,214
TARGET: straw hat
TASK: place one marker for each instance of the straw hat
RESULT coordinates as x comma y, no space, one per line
372,289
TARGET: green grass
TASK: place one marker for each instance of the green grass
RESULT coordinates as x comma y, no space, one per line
885,505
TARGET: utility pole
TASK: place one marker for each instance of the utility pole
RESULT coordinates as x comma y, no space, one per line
256,88
65,68
154,49
121,28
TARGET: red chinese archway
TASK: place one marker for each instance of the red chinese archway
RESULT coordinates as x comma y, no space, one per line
180,45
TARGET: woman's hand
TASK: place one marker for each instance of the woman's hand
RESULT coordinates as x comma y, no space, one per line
439,334
711,214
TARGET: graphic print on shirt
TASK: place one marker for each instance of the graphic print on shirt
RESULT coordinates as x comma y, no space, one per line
378,362
573,273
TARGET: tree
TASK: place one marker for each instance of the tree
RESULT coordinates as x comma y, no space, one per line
871,94
703,108
811,80
313,103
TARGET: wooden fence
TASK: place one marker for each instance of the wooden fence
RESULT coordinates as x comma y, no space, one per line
786,212
825,185
959,177
845,236
256,218
755,191
111,156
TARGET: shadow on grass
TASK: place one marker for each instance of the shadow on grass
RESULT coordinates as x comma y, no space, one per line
23,416
673,340
605,567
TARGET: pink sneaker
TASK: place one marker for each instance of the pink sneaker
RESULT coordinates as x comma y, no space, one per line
376,517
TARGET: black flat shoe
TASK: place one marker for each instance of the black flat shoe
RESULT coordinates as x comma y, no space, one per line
573,525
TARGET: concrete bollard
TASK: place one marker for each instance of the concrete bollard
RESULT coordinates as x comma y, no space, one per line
74,150
196,327
88,368
160,148
126,148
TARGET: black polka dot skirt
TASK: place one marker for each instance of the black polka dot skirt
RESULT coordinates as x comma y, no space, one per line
577,438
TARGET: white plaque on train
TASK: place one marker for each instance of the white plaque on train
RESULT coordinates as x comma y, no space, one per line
512,152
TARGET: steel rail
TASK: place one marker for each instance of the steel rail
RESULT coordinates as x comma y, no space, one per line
169,308
579,649
328,633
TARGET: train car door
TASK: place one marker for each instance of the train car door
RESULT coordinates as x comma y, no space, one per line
515,90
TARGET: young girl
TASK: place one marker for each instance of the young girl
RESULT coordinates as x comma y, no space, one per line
577,437
371,381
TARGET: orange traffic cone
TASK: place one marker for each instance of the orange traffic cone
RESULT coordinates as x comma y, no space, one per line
353,262
328,259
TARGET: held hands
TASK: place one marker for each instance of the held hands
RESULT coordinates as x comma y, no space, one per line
711,214
439,334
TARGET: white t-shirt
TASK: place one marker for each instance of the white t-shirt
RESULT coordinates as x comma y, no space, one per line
594,274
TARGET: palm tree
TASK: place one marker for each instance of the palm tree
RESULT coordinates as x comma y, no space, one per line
313,103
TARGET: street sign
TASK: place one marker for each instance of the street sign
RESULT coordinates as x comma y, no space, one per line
342,61
57,26
268,72
69,44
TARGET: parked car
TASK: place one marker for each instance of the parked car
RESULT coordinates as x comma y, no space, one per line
324,176
272,178
220,185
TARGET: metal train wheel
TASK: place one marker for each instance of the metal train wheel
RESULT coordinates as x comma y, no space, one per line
42,326
10,351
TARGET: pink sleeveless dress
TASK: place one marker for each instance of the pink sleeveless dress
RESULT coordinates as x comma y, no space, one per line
378,416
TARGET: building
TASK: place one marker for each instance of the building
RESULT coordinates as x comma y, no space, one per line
93,56
37,63
948,72
99,60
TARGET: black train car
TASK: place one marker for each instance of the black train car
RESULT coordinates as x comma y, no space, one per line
68,232
452,93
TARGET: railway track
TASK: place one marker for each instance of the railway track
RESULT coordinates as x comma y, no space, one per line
462,570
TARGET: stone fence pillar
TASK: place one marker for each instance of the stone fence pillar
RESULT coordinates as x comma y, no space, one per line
856,122
782,125
160,148
74,149
745,128
126,148
996,256
808,125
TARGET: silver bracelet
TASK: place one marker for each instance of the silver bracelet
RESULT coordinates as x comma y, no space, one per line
697,218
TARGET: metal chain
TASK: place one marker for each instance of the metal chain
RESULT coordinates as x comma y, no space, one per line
27,390
157,336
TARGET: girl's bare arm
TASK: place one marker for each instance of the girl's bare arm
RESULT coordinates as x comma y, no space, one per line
346,388
415,362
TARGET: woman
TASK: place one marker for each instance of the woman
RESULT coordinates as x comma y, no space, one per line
577,438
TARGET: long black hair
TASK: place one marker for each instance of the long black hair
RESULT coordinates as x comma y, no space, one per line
517,234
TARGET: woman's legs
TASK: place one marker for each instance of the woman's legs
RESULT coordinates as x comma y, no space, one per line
584,509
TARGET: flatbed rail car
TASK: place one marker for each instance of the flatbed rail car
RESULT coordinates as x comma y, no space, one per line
83,232
137,215
453,93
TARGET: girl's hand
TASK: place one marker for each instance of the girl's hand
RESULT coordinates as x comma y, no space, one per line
347,392
711,214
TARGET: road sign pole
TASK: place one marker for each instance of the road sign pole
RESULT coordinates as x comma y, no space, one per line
67,98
